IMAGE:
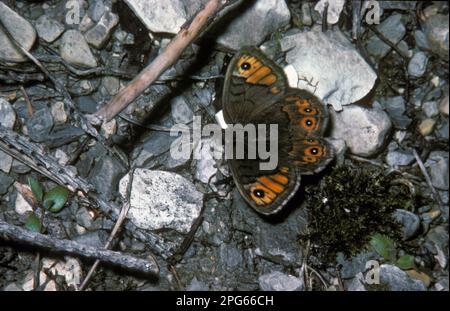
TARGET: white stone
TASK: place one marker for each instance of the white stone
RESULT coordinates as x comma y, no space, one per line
364,130
99,35
160,16
20,29
334,10
61,156
58,113
75,50
162,199
70,268
251,27
21,206
330,67
5,162
7,114
48,29
278,281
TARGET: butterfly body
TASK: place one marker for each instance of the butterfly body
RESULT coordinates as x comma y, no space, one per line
256,92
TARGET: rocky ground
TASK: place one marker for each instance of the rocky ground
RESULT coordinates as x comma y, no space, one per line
387,88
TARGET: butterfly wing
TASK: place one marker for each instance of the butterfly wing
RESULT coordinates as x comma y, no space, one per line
256,92
253,84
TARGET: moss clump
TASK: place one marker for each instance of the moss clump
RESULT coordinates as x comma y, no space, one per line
348,207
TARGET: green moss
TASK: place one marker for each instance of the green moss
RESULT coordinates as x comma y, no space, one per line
349,206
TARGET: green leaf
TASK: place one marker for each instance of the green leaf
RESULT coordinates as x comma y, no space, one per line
36,188
55,199
406,262
384,246
33,223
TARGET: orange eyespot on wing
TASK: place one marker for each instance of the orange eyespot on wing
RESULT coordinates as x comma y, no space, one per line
309,151
266,188
304,114
255,71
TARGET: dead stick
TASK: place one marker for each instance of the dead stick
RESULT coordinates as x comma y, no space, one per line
427,178
21,235
173,51
122,215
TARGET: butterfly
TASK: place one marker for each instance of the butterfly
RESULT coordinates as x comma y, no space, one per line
256,91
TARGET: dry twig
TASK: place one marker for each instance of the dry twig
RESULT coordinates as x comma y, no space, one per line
21,235
167,58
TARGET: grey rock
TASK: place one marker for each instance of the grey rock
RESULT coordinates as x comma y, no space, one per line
230,257
160,16
443,106
410,223
442,284
83,218
437,164
86,104
418,64
98,8
7,114
398,5
436,29
20,29
399,158
439,236
39,125
105,175
305,16
357,284
364,130
443,130
334,9
5,162
421,40
393,29
99,35
96,238
162,200
5,182
278,281
181,111
339,148
153,147
336,78
430,109
259,19
398,280
48,29
350,267
111,85
197,285
275,240
62,135
396,108
75,50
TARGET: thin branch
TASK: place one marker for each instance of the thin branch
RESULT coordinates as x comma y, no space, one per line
388,42
27,100
21,235
167,58
427,178
122,216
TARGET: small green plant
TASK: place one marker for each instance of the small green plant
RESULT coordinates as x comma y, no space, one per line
386,247
53,200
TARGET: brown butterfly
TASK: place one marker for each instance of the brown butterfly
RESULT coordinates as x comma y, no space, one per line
256,92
